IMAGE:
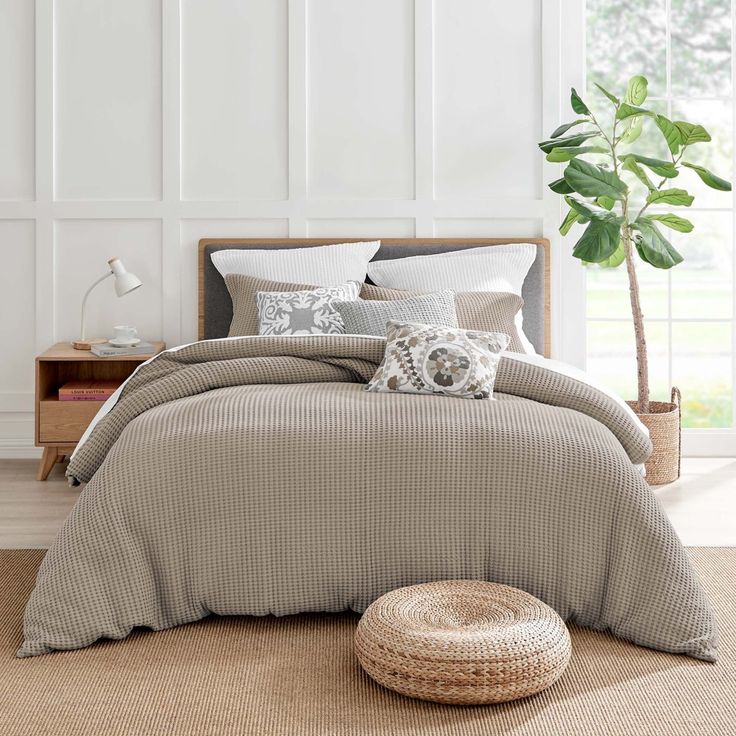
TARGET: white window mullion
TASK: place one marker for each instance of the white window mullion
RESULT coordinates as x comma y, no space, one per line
733,222
668,101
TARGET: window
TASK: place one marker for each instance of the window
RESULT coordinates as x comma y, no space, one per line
684,48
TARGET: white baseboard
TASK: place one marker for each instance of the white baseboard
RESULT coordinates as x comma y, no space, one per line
18,450
708,443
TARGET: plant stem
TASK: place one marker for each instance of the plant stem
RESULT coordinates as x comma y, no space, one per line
642,360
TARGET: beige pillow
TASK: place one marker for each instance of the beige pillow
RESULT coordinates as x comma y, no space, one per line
243,290
486,311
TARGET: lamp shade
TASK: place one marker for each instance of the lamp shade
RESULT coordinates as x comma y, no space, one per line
125,281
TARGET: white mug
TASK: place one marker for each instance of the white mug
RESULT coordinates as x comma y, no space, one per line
124,334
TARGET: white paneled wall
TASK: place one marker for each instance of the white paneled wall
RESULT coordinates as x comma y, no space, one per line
107,89
17,89
360,92
234,100
135,128
488,77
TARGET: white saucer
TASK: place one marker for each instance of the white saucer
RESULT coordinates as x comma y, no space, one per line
125,343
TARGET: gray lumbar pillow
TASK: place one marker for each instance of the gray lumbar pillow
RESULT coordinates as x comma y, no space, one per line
370,317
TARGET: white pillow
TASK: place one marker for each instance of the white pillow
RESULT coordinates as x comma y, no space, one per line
321,265
487,268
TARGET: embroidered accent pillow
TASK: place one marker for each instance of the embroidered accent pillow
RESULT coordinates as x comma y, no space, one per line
370,317
429,359
484,311
303,312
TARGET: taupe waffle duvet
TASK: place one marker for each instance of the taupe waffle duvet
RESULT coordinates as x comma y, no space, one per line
255,475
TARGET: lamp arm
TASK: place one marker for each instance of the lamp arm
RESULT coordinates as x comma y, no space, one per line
84,300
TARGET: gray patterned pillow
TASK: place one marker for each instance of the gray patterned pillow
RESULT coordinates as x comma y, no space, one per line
370,317
303,312
428,359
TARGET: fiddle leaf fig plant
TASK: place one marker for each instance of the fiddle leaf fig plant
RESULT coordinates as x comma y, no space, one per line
620,193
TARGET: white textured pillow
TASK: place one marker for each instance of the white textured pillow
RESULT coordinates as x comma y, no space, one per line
303,312
322,265
487,268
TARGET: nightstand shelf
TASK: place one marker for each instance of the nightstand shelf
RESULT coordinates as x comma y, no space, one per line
61,424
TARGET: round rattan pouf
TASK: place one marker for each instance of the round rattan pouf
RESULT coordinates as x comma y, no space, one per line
462,642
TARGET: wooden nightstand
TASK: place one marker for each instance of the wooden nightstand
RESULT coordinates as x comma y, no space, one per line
61,424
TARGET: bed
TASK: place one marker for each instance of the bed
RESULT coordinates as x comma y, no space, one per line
255,476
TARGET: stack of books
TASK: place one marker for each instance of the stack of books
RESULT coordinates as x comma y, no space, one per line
107,350
87,390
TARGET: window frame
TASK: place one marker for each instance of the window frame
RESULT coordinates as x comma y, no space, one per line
696,441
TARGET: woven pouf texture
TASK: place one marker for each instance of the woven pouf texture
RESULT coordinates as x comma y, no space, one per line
464,642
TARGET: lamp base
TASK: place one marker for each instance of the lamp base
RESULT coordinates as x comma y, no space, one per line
87,344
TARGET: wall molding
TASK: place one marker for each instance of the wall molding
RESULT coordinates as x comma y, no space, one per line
179,218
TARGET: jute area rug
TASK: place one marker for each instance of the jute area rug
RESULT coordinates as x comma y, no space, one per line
297,675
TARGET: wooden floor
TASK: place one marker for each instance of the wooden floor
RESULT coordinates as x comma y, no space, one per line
701,505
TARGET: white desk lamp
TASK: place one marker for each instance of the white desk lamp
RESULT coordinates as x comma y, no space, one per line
125,282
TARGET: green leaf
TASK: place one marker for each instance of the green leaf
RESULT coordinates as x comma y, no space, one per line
598,242
585,210
670,196
618,257
557,155
564,128
657,165
593,181
570,219
674,222
629,163
653,247
633,131
589,211
690,133
670,132
568,142
560,186
615,100
605,202
709,178
577,104
636,92
629,111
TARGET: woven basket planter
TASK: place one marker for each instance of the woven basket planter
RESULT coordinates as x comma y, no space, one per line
463,642
664,425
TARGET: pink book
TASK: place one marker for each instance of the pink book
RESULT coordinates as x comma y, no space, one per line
84,397
87,390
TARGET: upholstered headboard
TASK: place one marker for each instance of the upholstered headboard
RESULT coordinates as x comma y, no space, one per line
215,306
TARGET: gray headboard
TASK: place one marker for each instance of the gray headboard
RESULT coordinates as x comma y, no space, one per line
215,306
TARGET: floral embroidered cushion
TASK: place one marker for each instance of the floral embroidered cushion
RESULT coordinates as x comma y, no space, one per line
303,312
430,359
